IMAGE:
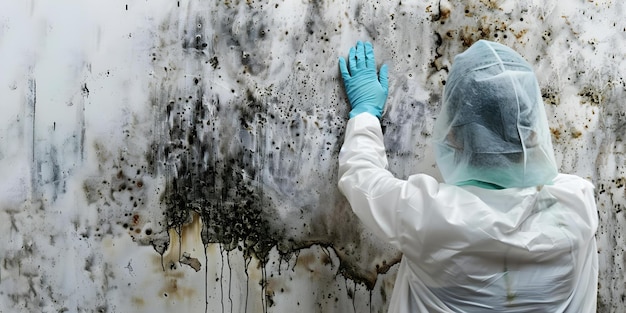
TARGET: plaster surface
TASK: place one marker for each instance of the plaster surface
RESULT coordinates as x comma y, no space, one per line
161,156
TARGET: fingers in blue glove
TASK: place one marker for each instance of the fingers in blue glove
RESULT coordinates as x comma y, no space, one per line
366,87
360,55
383,77
352,57
343,69
369,56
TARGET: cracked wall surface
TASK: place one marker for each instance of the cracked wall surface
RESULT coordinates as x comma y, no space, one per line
182,155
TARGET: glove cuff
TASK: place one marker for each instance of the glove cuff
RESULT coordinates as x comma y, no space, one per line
356,111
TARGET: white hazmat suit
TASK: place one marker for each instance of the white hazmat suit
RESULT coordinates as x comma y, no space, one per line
505,233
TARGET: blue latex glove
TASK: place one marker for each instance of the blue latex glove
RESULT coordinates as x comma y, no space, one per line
366,90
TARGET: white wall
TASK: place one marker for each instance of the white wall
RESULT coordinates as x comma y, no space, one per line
161,156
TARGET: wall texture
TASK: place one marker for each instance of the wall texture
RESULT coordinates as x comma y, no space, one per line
165,156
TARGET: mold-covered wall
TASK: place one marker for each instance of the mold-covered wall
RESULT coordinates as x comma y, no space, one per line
160,156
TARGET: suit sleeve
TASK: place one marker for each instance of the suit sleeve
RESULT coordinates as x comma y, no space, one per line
375,195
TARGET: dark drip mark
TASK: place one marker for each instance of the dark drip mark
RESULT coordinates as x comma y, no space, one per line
85,90
32,104
245,269
351,293
297,254
230,280
205,243
56,179
222,277
327,253
160,246
264,296
206,272
354,296
180,241
206,279
82,123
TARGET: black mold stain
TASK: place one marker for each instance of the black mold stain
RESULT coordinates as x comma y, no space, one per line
592,95
223,188
212,164
230,157
195,37
85,90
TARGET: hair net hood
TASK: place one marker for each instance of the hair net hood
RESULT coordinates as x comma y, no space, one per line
492,129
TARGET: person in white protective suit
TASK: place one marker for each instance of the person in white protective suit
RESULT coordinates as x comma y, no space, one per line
505,232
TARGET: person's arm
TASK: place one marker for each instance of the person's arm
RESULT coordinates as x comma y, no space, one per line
373,192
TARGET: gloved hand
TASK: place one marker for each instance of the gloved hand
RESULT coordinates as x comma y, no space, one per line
366,90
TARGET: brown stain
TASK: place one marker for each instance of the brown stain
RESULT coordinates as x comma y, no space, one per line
135,227
481,22
172,290
466,35
520,33
185,247
174,273
188,240
213,251
491,4
138,302
326,260
576,133
556,133
444,14
307,261
484,27
190,233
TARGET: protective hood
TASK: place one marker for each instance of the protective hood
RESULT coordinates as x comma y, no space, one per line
492,130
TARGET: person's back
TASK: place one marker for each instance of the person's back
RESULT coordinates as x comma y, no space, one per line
510,250
505,233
